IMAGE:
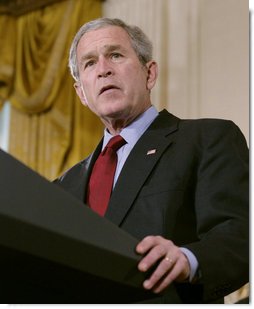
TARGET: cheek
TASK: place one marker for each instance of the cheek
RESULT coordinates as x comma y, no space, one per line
88,90
139,83
139,78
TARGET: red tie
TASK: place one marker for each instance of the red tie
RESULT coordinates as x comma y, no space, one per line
102,177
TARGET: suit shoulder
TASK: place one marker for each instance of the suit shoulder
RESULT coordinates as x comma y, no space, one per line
211,125
199,123
202,127
214,130
210,122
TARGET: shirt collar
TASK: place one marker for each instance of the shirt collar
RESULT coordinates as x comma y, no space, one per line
134,130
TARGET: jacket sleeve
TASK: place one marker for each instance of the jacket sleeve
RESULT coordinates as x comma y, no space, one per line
222,210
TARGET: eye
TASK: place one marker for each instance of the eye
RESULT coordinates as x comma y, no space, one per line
89,63
115,56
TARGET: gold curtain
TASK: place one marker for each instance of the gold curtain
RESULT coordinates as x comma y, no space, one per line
50,129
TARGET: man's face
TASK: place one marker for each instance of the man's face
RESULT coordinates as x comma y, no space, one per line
113,82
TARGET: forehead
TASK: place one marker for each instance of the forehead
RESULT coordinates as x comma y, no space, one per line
96,39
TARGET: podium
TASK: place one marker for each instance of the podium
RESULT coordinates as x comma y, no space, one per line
54,249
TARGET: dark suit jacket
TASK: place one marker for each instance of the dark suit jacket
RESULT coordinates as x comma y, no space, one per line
192,190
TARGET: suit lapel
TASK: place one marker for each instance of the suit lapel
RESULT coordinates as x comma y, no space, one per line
78,187
90,164
139,165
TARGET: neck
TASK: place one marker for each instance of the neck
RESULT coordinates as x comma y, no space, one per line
117,124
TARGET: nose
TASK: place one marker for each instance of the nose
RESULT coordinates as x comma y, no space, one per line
104,68
105,74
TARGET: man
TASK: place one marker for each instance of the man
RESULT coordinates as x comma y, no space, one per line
180,186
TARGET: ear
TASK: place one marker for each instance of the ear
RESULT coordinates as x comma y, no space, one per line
80,92
152,73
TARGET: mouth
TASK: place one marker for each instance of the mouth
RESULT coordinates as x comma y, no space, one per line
107,88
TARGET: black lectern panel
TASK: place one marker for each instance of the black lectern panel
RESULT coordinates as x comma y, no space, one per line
54,249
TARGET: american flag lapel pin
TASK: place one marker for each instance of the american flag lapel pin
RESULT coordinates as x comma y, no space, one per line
151,152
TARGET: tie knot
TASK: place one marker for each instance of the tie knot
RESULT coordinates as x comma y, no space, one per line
116,142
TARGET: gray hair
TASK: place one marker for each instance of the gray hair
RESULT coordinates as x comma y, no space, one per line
139,41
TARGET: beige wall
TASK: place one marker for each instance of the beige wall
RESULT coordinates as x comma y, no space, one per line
202,50
225,61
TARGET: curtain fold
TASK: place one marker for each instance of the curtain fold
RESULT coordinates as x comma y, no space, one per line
7,55
50,129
